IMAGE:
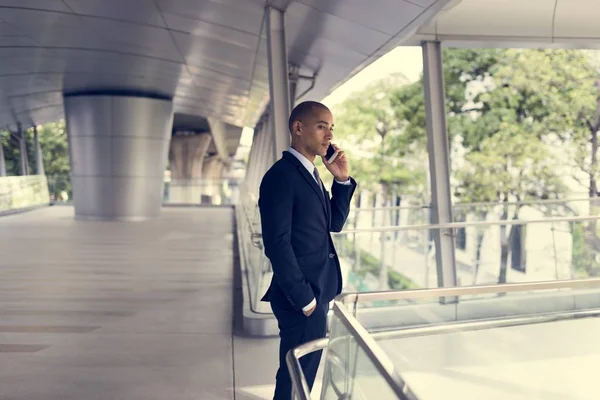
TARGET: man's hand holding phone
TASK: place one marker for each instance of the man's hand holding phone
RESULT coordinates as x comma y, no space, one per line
331,154
336,162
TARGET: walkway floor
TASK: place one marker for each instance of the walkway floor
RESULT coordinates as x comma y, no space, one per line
106,310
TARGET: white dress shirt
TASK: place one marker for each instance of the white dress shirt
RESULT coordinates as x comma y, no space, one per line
310,167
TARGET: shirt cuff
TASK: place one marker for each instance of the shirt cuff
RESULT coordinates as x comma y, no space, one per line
348,182
310,305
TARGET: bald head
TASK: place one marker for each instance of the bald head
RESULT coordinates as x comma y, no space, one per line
305,111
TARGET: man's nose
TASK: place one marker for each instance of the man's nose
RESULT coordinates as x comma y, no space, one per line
329,134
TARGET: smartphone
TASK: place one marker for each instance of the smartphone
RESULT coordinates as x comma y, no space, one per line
331,154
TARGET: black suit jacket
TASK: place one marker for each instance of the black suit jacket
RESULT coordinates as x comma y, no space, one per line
297,217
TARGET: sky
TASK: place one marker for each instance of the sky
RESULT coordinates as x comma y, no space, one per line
407,60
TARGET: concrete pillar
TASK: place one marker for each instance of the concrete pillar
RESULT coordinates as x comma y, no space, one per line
267,156
251,163
212,169
439,161
186,156
257,149
278,80
259,152
39,158
118,146
293,81
23,152
218,131
212,174
2,161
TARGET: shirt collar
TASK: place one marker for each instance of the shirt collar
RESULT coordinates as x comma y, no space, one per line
310,167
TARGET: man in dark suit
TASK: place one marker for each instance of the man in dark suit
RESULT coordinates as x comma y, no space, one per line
297,216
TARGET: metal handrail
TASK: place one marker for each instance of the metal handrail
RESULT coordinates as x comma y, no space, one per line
502,322
370,347
453,225
479,204
359,297
415,207
255,237
292,359
482,203
526,202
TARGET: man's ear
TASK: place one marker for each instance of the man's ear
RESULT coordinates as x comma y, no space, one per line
297,127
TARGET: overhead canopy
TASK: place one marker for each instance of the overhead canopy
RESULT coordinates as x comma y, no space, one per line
515,23
209,55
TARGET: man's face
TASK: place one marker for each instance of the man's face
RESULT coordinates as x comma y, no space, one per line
316,132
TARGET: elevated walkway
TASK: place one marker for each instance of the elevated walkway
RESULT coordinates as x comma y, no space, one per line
108,310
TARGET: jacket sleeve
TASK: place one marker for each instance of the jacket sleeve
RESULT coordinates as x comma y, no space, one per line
341,196
276,203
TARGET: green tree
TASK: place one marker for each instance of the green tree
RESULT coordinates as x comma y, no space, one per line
466,73
55,152
565,89
501,123
381,160
510,166
368,121
12,153
54,144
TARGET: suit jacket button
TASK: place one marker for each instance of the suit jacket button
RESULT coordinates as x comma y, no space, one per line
331,255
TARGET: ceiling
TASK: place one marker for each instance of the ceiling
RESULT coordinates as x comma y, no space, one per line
209,55
515,23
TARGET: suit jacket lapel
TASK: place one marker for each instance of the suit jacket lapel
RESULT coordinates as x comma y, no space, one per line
311,180
328,207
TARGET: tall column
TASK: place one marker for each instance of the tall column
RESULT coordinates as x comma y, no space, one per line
23,152
212,174
39,158
2,161
118,147
249,180
212,170
264,153
278,80
439,161
187,157
293,79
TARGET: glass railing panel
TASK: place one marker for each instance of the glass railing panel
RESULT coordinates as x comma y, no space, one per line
525,251
371,217
392,260
23,191
486,253
350,369
203,191
536,209
427,308
207,191
542,357
257,265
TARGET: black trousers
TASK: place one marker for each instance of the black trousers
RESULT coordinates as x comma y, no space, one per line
295,329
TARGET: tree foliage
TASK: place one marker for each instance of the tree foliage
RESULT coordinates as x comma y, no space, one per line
508,111
379,156
55,153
